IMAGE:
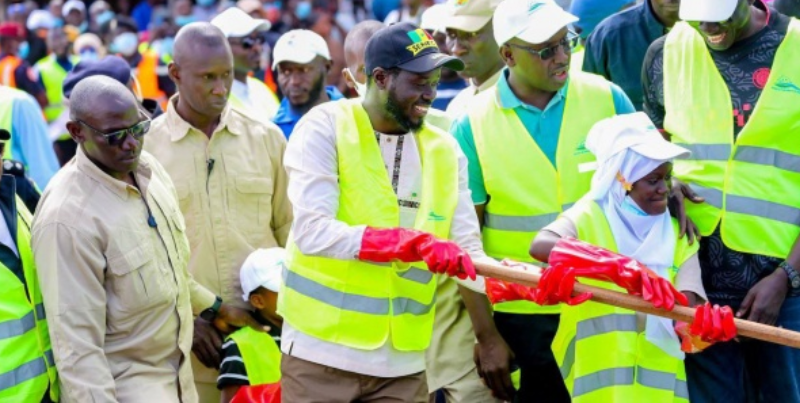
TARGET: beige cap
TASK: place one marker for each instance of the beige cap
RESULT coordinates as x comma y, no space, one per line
470,15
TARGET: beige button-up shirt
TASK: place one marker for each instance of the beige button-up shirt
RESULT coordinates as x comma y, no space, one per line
118,296
232,191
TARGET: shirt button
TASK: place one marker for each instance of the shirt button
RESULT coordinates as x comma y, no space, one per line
388,139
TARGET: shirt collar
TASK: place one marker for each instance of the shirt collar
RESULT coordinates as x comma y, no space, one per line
506,98
179,128
116,186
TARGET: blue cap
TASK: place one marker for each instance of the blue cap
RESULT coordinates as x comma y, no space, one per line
111,66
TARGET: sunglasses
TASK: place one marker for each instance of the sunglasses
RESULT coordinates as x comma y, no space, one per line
249,43
116,138
568,44
723,24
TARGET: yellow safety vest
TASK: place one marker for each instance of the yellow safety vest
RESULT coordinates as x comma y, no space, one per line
602,355
264,104
742,179
27,367
53,76
261,355
527,192
360,304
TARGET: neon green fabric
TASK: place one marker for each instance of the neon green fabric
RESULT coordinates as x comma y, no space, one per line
53,76
27,367
264,102
261,355
527,191
360,304
602,355
738,178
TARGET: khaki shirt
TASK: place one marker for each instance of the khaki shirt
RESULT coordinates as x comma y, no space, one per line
232,191
118,296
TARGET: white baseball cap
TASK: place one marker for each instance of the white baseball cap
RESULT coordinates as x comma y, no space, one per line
433,18
635,131
470,15
299,46
262,268
707,10
40,19
533,21
235,23
73,5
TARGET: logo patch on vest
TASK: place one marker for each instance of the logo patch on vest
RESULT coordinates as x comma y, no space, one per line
784,85
422,40
435,217
581,149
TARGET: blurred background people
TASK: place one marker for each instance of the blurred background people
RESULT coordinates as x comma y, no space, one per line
15,71
74,12
450,83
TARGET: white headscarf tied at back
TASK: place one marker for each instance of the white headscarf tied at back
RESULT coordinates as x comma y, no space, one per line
628,148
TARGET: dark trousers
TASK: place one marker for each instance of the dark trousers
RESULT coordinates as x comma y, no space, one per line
749,370
530,337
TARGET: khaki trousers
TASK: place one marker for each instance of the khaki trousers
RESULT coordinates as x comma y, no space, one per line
306,382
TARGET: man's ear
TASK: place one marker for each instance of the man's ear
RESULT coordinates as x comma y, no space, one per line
256,300
381,77
507,56
75,132
347,79
174,72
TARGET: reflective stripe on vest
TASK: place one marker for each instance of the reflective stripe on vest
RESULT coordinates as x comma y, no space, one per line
601,354
361,304
261,355
8,67
520,205
27,367
8,96
740,178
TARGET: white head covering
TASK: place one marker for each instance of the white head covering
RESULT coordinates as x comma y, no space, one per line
628,148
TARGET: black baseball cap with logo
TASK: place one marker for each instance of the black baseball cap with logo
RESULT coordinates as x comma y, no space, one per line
407,47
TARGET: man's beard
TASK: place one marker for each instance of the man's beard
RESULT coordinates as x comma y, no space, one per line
394,110
313,95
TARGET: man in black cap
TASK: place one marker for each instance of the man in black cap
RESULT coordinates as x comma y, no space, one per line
373,188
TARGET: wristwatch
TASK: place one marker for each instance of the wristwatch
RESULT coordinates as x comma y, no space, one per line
794,277
211,313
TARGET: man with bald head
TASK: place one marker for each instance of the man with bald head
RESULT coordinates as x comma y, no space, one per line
228,170
111,251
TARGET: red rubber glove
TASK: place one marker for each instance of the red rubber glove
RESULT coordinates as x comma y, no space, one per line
588,261
556,286
713,324
503,291
409,245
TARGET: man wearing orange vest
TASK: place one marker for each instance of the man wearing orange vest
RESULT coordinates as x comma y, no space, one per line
147,68
15,71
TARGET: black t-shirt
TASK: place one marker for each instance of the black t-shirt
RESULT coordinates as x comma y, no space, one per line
745,67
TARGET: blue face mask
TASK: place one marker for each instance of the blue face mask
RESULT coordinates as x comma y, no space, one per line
84,26
165,46
104,17
182,20
206,3
58,23
126,44
23,50
88,54
275,4
303,10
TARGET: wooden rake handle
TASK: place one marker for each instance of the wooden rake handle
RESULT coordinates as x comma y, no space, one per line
744,328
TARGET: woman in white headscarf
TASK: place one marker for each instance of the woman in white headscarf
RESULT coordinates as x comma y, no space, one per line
609,354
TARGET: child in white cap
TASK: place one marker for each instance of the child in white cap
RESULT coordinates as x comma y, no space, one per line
251,360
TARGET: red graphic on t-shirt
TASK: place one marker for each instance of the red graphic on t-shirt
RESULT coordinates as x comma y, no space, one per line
760,77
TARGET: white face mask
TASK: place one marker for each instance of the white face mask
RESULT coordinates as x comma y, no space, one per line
126,44
361,89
